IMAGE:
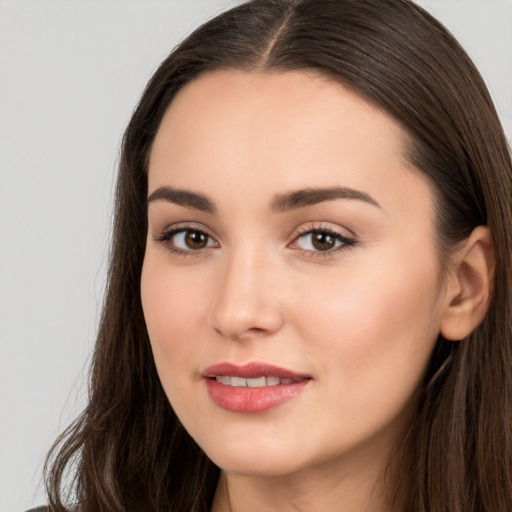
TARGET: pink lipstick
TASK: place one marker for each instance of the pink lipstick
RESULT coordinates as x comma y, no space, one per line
253,387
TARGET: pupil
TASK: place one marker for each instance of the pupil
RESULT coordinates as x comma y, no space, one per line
323,241
196,239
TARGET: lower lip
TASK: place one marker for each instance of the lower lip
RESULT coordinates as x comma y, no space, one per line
253,400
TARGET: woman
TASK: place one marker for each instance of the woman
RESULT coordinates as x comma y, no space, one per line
308,304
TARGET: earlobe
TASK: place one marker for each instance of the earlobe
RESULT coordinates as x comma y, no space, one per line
470,286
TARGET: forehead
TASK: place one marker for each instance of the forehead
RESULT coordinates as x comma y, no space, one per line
263,132
281,108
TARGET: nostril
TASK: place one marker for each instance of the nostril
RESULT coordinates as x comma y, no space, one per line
257,330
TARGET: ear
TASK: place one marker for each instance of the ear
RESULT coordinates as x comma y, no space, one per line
470,286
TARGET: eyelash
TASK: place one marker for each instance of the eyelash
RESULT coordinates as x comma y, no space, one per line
346,242
166,237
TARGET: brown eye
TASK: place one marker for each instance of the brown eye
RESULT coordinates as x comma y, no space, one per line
322,241
196,239
186,240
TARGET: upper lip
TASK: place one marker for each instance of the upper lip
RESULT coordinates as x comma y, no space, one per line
251,371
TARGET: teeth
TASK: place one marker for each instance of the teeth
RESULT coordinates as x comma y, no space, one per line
258,382
224,380
273,381
238,382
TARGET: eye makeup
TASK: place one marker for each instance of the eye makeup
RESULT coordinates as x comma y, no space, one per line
316,241
321,241
186,240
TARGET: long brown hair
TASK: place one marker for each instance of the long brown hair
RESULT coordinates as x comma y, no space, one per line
128,451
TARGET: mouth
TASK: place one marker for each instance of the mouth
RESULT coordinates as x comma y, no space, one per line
256,382
252,388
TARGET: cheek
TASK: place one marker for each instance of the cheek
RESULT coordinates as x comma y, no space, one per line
374,329
175,305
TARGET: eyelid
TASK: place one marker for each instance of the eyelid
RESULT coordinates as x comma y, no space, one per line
183,226
168,233
342,231
347,241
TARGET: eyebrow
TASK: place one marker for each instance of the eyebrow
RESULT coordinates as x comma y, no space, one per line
184,198
311,196
281,203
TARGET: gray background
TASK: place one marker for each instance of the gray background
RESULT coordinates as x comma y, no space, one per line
71,72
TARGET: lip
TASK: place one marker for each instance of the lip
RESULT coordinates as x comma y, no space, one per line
248,400
251,371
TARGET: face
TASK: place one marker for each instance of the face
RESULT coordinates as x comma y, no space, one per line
291,283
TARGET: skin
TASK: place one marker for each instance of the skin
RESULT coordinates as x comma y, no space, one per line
360,320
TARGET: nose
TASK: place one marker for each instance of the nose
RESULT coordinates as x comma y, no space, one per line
246,304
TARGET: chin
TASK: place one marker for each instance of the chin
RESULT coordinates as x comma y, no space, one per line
256,467
266,459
